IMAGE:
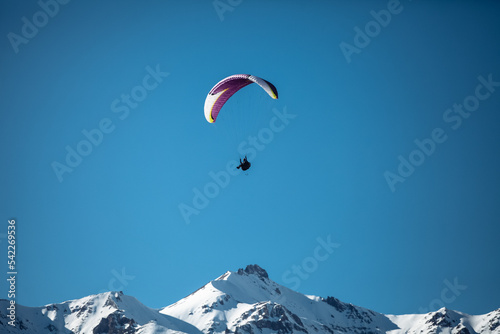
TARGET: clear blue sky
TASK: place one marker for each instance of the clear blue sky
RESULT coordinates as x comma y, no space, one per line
114,221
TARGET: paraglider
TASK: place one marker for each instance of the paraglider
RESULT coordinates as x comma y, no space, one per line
245,164
226,88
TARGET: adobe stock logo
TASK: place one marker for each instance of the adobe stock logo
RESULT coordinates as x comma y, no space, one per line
426,147
299,273
221,179
119,281
448,295
372,29
30,28
222,6
122,107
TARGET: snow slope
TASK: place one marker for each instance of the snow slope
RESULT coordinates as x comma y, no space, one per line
246,301
110,312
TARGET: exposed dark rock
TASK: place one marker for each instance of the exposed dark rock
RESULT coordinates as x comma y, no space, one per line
461,329
253,269
115,323
337,304
441,319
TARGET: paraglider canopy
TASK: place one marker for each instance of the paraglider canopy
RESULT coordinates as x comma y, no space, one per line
226,88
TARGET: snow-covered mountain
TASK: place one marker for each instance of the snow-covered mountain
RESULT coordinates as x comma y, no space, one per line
246,301
110,312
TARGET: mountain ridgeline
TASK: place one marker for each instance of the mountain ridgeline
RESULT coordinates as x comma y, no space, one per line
242,302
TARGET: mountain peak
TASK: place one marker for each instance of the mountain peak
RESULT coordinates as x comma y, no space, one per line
244,302
253,269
